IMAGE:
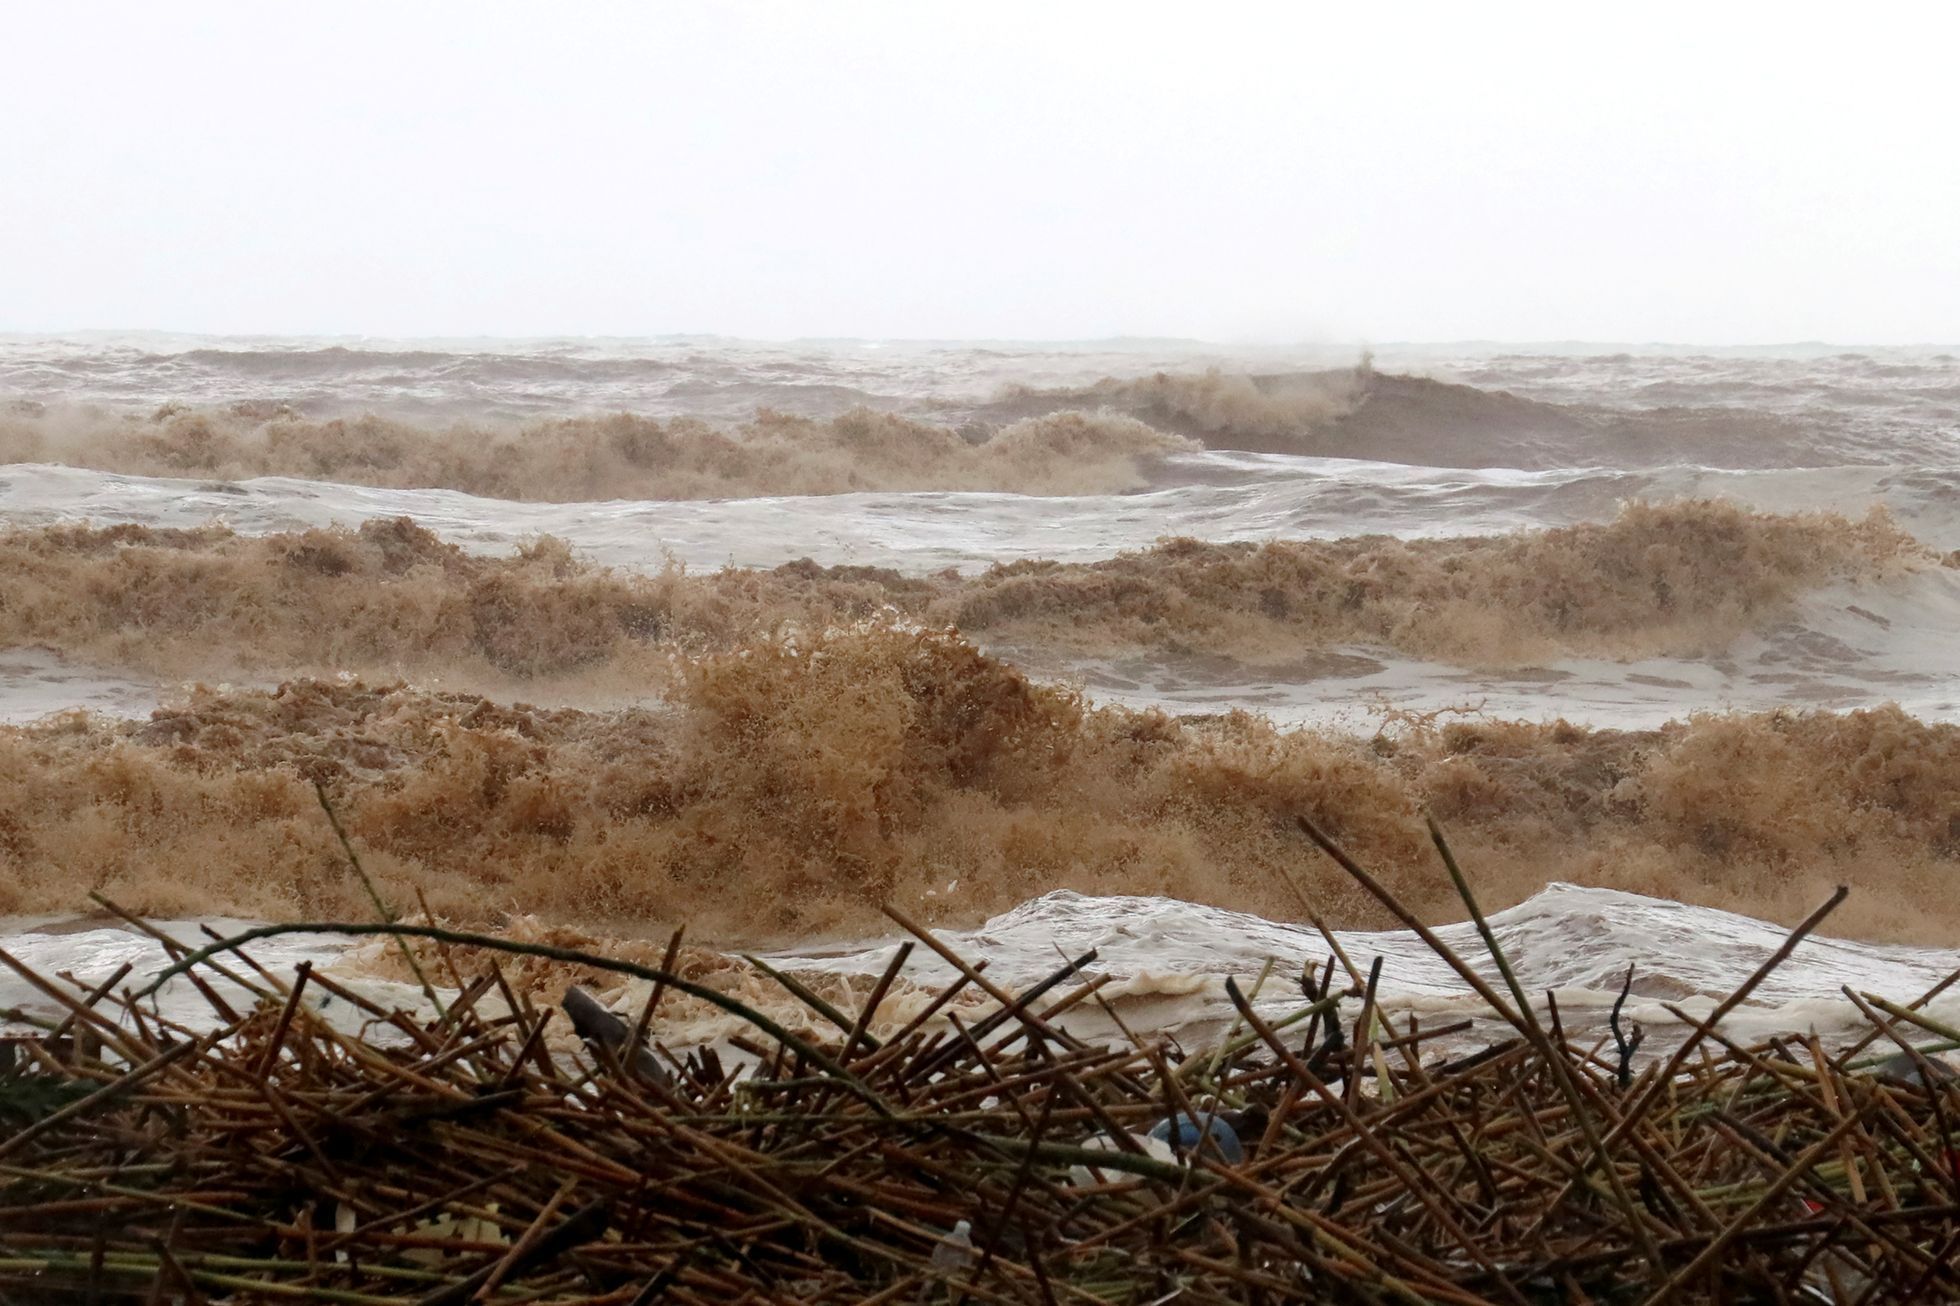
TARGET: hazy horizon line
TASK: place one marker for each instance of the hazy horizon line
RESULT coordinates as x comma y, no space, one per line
1360,345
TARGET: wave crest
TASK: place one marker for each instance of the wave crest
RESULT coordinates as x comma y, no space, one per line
393,598
1425,421
1227,410
619,456
792,786
1675,578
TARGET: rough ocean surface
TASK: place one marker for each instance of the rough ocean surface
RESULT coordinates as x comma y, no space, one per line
941,461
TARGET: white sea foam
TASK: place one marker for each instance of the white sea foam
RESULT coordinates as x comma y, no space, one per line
1166,963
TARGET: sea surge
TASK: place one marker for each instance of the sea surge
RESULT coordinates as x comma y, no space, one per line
789,788
392,598
1045,645
611,456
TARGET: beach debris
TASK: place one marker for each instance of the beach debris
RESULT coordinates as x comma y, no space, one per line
953,1255
463,1153
1184,1133
1915,1068
602,1029
1088,1172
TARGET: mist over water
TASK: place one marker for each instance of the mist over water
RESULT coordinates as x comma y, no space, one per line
1197,589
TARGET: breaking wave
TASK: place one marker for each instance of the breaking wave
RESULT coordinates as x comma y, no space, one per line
1425,421
1678,578
1106,436
790,787
620,456
1467,406
1227,410
392,598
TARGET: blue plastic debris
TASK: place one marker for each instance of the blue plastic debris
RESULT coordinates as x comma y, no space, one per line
1223,1143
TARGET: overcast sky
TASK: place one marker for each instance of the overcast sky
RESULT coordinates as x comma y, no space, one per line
1707,173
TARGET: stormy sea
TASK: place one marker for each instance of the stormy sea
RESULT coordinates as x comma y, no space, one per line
1047,646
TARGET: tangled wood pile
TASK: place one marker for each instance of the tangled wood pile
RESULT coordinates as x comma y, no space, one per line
1323,1155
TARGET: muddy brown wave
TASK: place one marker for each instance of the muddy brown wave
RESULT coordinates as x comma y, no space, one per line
392,598
789,788
618,456
1431,422
1106,437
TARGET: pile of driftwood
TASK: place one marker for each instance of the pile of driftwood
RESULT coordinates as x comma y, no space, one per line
482,1155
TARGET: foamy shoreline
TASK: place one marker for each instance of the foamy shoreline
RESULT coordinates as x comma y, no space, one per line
1161,965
